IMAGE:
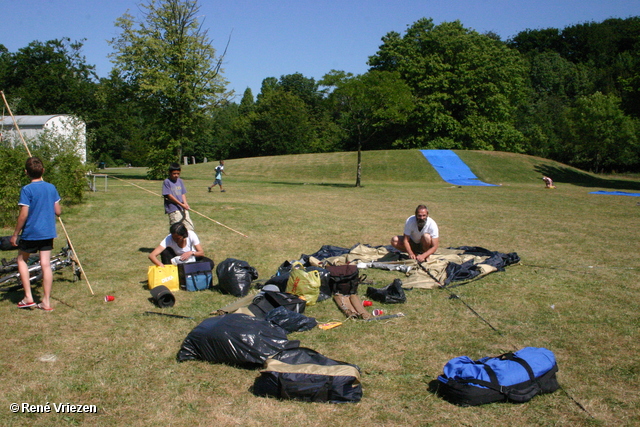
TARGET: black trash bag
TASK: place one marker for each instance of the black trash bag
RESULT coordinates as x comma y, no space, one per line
390,294
234,339
290,321
235,277
280,280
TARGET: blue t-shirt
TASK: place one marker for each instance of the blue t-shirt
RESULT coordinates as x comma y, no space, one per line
40,197
177,189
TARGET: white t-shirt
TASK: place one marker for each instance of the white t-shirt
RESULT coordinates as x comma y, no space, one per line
411,229
191,241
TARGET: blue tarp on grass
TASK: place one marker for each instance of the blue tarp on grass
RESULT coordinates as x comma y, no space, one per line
616,193
452,169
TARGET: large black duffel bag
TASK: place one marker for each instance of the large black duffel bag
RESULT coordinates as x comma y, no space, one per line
515,377
304,374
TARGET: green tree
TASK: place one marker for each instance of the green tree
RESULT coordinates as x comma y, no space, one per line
48,78
281,125
247,102
467,85
368,104
601,137
168,59
120,136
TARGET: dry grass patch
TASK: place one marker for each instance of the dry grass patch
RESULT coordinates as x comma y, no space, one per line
576,292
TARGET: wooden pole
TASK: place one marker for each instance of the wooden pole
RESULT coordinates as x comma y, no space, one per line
196,212
15,123
76,255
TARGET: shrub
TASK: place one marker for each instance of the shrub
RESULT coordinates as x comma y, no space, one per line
63,168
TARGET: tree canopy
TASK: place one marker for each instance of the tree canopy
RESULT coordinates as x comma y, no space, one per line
570,94
467,85
168,59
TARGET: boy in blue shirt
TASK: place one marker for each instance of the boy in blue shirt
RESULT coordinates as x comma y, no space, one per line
39,204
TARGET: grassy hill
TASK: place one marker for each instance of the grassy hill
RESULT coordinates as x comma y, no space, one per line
399,166
576,292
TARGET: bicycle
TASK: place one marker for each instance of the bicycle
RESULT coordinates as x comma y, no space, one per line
63,259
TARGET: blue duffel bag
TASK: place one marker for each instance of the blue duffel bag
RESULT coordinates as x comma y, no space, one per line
514,377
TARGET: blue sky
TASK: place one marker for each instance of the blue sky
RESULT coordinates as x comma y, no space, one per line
279,37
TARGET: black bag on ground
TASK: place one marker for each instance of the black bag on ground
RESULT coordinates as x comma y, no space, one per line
390,294
195,276
290,321
234,339
343,279
235,277
266,301
280,280
515,377
304,374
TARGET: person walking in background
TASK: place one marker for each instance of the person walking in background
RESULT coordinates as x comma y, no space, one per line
218,178
39,204
175,198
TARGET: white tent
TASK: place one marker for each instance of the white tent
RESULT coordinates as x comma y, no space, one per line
31,127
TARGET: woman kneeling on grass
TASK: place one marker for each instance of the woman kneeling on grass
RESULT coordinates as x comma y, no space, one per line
179,247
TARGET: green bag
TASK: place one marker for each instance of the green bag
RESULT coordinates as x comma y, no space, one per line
303,283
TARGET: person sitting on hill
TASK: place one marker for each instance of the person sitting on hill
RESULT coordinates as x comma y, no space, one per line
179,247
420,238
548,182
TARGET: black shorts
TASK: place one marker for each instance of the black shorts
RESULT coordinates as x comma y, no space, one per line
33,246
416,247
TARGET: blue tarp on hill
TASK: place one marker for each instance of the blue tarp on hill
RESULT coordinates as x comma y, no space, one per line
616,193
452,169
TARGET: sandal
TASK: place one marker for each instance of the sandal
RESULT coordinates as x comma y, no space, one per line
23,304
42,307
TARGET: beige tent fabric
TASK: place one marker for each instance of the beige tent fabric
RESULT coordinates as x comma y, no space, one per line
237,306
436,267
360,253
428,275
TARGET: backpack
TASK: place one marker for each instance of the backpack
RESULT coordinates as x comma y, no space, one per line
266,301
344,279
515,377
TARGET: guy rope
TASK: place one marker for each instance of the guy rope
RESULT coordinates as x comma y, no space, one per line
194,211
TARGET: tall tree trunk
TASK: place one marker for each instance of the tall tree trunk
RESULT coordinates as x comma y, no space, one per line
359,171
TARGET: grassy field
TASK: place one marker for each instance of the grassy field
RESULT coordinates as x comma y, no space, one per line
576,292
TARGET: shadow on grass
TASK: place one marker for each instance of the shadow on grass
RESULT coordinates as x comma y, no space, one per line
584,179
321,184
146,250
127,176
